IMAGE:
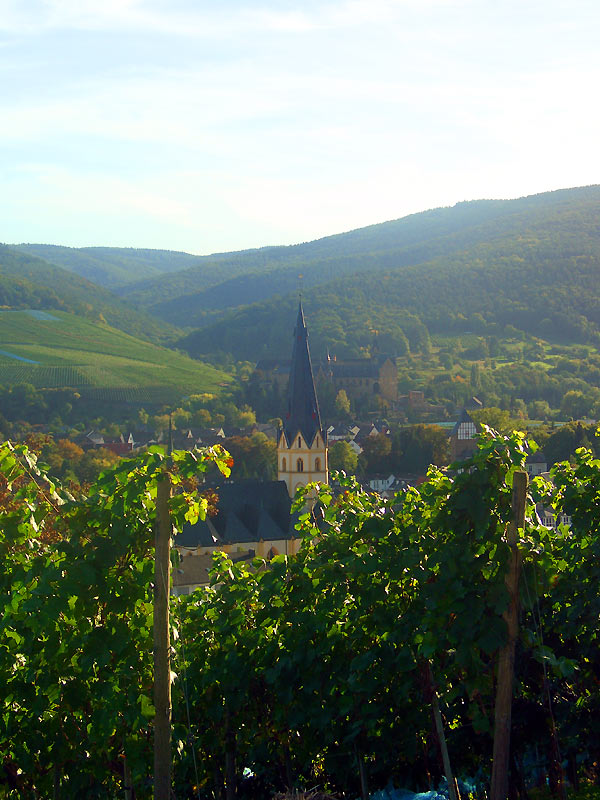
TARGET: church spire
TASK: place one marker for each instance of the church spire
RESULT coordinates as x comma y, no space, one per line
303,408
302,443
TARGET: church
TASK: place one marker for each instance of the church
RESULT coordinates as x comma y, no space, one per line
301,441
254,518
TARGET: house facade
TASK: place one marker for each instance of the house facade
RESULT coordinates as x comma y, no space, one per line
462,437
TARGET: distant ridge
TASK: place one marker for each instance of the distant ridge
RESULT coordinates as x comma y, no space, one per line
532,263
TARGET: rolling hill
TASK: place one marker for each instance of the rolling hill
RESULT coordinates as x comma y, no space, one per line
111,267
27,281
534,266
488,266
50,349
202,294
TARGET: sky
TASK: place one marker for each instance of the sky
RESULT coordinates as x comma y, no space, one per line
216,126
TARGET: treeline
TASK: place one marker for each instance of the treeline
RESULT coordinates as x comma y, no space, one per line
315,670
546,292
24,408
540,384
347,330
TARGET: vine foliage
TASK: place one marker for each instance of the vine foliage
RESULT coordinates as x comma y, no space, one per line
317,668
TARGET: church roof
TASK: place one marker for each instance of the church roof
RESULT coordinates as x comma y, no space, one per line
303,409
247,511
356,368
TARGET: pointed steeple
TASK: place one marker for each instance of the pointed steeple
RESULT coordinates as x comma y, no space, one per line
303,409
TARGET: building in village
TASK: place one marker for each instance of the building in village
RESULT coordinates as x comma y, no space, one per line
462,437
253,518
361,378
536,464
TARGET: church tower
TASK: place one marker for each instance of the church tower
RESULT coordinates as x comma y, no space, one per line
301,442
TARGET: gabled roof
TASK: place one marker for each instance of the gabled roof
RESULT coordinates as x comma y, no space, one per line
536,458
247,511
463,417
303,409
357,368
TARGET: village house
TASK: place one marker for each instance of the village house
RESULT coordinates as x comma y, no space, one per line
536,464
462,437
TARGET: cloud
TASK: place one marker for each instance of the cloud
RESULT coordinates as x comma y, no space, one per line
200,19
243,123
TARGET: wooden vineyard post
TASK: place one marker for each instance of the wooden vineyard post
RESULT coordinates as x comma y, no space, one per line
162,645
506,659
433,698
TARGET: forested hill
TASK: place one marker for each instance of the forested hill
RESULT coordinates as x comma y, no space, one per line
532,263
30,282
199,295
111,267
536,269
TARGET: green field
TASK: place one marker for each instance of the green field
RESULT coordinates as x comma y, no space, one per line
101,362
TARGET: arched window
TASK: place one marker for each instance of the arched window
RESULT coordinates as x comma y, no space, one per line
283,464
317,440
299,442
317,465
300,465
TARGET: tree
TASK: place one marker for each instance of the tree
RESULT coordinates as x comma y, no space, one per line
246,417
253,456
63,456
562,443
327,396
539,409
375,455
416,447
96,461
575,404
342,457
446,360
342,404
475,376
496,418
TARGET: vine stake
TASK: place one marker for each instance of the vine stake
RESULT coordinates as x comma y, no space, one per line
506,658
162,645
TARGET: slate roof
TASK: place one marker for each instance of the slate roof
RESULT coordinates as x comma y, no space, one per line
357,368
192,570
303,409
536,458
248,511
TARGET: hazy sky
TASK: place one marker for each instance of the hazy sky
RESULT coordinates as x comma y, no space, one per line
206,126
